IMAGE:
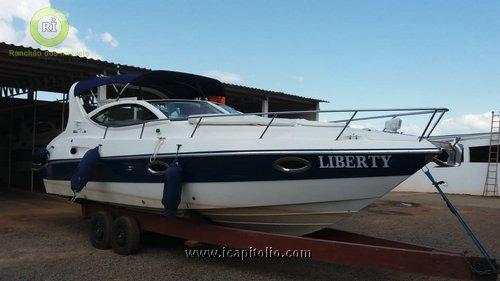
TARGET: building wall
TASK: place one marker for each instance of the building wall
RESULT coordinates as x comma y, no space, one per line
466,179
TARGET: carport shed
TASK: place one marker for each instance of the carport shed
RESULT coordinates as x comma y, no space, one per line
24,72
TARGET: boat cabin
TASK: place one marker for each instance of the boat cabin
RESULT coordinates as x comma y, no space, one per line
112,101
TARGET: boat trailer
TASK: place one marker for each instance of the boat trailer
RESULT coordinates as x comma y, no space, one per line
327,245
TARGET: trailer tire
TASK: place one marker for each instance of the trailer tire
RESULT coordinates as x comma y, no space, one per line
100,230
125,236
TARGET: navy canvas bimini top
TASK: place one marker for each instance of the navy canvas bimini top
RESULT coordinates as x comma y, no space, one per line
171,83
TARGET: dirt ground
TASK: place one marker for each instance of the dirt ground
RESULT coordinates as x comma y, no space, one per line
44,238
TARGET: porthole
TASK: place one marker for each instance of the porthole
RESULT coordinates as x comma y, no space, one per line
157,167
292,165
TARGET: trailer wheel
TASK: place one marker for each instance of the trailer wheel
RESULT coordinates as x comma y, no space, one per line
125,236
100,230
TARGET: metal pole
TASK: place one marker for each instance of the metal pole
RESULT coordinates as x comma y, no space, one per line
423,109
142,130
384,116
427,127
457,214
316,115
11,123
267,127
435,124
346,124
265,106
63,111
34,137
196,128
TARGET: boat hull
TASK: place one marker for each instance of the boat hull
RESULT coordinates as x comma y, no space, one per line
293,207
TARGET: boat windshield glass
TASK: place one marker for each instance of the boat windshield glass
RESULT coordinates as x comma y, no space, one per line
229,109
181,110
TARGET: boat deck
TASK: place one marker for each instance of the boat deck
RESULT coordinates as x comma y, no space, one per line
31,224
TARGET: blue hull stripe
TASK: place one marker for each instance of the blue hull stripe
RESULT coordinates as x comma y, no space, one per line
273,151
251,167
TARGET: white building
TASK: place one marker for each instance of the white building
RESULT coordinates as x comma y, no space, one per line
468,178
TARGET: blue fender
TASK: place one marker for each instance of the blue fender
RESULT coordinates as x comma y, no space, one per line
172,189
40,158
84,169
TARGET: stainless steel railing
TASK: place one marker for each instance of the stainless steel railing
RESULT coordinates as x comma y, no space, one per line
397,112
402,112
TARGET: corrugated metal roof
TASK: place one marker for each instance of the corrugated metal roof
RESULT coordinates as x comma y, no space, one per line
94,61
36,71
58,73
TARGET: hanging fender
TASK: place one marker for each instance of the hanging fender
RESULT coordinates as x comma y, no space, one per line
39,159
84,169
172,189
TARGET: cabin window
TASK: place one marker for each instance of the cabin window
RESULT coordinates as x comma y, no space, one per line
481,153
123,115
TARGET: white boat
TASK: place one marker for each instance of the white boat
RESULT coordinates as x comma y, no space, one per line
241,170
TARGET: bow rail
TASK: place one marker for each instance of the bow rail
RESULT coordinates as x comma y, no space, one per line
429,128
398,112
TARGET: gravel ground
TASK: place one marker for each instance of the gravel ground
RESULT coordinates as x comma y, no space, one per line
44,238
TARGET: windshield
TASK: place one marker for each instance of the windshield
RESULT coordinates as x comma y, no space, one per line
181,110
228,108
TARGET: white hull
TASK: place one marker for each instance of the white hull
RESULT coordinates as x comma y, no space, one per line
293,207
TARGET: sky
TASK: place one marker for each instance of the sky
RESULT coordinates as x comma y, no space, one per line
355,54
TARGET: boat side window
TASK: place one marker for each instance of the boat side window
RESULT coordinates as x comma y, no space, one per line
123,115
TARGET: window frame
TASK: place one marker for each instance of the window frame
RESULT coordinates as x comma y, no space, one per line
96,114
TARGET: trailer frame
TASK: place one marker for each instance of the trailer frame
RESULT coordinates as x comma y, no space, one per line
327,245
